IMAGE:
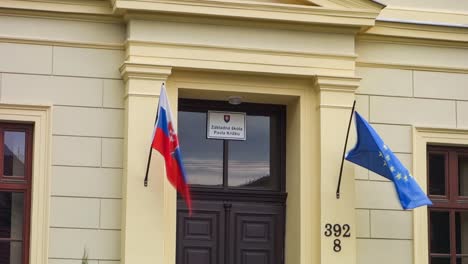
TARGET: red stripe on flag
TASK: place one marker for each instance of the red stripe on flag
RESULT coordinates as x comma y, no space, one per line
162,144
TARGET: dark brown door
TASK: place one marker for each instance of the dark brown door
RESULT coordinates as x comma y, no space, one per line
238,187
256,232
227,232
200,238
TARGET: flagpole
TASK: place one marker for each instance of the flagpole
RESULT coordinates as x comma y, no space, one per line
344,151
151,145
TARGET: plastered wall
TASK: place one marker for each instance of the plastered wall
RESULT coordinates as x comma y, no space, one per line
400,90
72,65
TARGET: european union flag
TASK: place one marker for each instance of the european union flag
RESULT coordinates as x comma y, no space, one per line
371,153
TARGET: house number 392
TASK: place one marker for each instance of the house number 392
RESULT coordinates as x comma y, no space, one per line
337,231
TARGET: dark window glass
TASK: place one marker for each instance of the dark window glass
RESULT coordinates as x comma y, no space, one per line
14,150
11,215
440,232
11,252
437,174
203,158
463,175
461,225
440,260
249,160
448,216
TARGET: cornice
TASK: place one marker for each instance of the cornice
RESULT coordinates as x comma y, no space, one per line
413,41
226,21
60,15
360,4
424,34
424,16
348,17
75,6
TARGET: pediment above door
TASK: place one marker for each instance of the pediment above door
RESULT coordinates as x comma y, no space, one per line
352,4
356,14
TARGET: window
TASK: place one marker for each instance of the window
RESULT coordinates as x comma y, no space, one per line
230,164
448,217
15,192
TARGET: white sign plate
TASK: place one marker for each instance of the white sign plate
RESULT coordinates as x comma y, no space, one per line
226,125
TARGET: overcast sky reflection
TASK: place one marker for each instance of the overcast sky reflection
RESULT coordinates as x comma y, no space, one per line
203,158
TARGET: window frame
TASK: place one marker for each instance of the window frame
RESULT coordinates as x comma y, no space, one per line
452,202
41,117
422,137
195,105
19,184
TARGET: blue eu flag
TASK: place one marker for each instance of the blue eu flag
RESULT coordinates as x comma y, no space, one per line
371,153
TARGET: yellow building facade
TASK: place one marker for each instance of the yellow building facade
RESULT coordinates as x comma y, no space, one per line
87,75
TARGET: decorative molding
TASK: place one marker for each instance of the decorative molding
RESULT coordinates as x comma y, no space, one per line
255,11
226,21
75,6
349,57
83,17
131,70
425,16
335,92
337,84
357,4
411,67
134,72
419,35
442,132
73,44
201,57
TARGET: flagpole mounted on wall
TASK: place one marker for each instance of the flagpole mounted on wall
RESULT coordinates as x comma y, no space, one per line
145,182
344,151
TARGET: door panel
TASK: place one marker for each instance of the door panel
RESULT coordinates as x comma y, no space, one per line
226,232
258,233
200,237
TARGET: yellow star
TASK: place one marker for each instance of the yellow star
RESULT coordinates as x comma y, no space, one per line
406,178
398,176
387,157
392,169
385,147
380,154
385,163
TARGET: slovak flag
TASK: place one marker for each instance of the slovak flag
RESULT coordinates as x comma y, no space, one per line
165,141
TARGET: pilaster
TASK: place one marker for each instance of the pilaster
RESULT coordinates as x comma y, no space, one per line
335,96
148,213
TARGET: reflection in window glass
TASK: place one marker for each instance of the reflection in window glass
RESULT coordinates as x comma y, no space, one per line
463,175
436,174
249,160
14,153
461,226
11,252
11,215
440,232
203,158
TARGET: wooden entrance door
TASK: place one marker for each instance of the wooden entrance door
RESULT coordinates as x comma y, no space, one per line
230,232
237,187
